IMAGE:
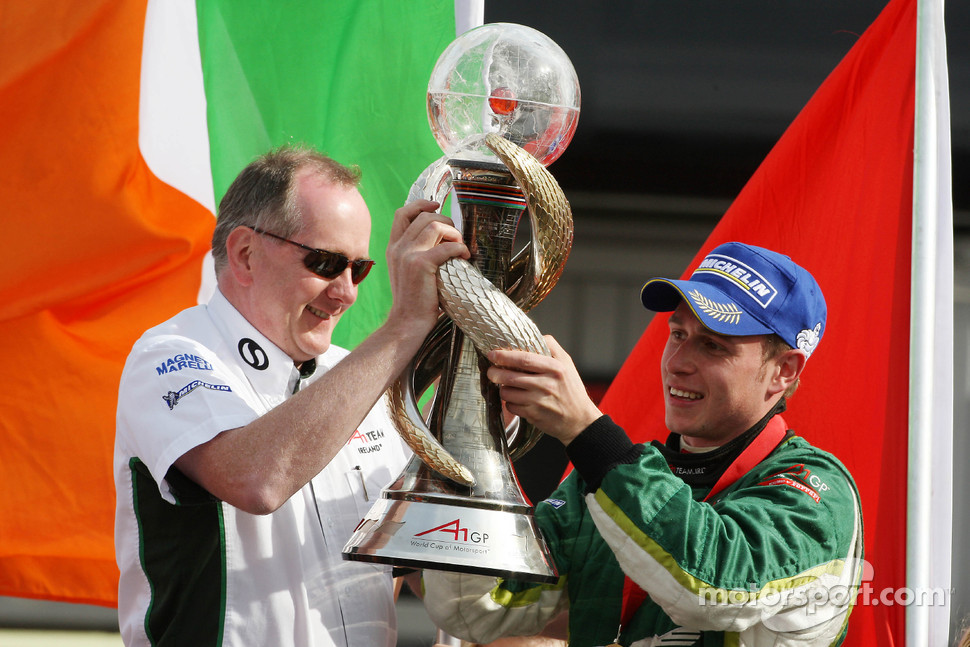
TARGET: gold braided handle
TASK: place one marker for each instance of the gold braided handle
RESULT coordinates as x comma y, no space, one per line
551,220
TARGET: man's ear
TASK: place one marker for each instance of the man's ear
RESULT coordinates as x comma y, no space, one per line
239,249
788,368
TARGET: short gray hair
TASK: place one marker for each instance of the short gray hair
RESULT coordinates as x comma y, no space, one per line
263,194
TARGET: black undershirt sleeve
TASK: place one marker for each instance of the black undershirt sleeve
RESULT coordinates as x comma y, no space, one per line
599,448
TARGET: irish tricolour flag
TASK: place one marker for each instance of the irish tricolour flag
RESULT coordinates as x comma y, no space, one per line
123,123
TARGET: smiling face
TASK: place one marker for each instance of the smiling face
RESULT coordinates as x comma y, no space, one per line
715,386
296,309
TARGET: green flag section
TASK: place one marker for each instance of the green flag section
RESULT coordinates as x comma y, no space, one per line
102,240
345,76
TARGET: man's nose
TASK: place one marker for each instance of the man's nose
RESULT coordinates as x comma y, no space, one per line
680,359
342,287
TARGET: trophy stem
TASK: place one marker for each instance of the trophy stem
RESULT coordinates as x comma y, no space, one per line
424,520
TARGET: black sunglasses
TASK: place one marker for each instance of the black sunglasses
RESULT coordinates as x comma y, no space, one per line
329,265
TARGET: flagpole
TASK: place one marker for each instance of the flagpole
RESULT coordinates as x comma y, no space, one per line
929,494
468,14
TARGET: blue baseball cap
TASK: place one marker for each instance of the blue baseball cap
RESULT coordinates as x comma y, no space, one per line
741,289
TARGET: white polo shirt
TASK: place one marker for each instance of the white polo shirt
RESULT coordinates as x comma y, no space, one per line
197,571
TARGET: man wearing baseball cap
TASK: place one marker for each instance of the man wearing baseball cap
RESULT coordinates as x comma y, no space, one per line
735,531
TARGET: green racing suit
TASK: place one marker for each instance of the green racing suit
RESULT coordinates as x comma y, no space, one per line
774,558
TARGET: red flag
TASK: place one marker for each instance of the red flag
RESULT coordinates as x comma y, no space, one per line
836,195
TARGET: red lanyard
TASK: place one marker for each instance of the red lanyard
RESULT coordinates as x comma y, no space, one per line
757,451
765,443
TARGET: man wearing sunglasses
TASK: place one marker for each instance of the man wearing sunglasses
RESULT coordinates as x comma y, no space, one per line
248,446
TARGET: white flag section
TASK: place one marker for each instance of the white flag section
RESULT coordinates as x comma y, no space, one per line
173,134
930,495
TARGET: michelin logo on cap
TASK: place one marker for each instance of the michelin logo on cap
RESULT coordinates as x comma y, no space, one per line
741,289
807,339
741,275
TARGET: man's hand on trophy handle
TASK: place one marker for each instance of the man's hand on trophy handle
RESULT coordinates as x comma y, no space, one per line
546,391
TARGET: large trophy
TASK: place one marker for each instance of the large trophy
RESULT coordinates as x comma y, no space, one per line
503,102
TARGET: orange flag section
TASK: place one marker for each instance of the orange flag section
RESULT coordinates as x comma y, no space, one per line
95,250
836,194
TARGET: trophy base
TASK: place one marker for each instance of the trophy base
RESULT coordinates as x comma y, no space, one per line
441,536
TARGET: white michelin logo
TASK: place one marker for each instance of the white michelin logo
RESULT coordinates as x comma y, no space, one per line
807,339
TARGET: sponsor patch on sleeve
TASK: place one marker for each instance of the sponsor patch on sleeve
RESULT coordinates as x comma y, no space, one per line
172,398
181,362
800,478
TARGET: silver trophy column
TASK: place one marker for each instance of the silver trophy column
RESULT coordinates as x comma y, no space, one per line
503,103
423,519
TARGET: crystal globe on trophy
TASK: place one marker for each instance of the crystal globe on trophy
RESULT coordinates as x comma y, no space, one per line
503,103
506,79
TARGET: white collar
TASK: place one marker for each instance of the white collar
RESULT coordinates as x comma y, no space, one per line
264,364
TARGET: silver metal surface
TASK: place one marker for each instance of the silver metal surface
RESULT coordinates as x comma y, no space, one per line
458,505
